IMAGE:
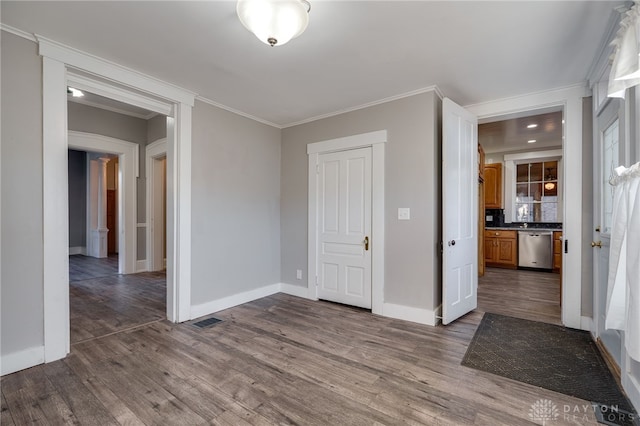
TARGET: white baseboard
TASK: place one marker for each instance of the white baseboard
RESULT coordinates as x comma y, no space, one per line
586,324
22,359
231,301
296,290
78,250
142,266
409,313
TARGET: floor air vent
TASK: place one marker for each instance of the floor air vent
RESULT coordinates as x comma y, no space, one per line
207,322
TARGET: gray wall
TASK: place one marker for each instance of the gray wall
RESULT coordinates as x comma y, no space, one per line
236,204
85,118
412,264
22,262
156,128
77,198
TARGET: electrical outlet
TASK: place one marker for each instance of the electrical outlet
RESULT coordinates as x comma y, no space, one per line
299,274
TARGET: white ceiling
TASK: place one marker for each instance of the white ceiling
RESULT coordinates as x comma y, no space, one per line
514,134
352,54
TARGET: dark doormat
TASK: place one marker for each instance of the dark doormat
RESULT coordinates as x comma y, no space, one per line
560,359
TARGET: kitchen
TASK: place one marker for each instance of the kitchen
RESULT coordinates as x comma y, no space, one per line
520,216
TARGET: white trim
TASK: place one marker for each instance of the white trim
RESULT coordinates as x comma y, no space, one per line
586,324
377,141
105,89
367,105
349,142
570,99
18,32
141,265
56,59
409,313
55,207
238,112
20,360
153,151
127,204
213,306
297,290
115,72
78,250
534,155
110,108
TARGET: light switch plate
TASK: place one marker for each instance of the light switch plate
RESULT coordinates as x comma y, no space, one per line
299,274
404,213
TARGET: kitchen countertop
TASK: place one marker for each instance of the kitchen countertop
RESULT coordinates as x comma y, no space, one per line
513,228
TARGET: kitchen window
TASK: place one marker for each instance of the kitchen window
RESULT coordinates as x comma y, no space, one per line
536,192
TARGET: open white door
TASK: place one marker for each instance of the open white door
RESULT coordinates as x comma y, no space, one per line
460,211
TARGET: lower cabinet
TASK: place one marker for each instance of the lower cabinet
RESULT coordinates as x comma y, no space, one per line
557,251
501,248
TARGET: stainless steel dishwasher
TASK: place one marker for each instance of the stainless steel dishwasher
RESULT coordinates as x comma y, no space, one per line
535,249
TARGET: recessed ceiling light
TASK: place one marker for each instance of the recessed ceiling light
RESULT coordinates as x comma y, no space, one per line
531,141
532,126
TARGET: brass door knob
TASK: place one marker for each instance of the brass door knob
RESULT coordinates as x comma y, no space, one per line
596,244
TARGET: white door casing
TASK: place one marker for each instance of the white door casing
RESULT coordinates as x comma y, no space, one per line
376,140
60,68
156,207
460,208
344,227
128,153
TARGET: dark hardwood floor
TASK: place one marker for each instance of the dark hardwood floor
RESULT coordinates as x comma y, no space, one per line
103,302
277,360
523,294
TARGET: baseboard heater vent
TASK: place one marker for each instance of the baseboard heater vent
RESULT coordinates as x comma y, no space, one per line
205,323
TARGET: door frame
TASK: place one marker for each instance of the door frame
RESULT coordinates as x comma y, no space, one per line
129,171
376,140
63,66
153,152
570,100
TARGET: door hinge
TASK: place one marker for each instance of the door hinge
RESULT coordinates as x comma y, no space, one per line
317,169
566,246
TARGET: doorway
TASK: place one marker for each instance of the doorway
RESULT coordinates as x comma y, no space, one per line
524,192
62,67
374,143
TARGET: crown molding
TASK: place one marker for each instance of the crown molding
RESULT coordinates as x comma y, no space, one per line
434,88
238,112
18,32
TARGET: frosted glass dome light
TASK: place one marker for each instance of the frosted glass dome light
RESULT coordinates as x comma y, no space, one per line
274,22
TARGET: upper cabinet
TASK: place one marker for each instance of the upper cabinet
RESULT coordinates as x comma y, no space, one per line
493,186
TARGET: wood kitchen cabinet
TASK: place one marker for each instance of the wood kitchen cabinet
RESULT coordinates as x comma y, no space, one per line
493,186
501,248
557,251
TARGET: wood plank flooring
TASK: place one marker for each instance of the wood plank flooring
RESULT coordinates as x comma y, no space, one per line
103,302
277,360
523,294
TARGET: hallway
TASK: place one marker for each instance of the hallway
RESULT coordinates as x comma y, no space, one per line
103,302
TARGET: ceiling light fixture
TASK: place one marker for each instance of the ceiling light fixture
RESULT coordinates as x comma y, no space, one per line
274,22
74,92
531,141
532,126
549,186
